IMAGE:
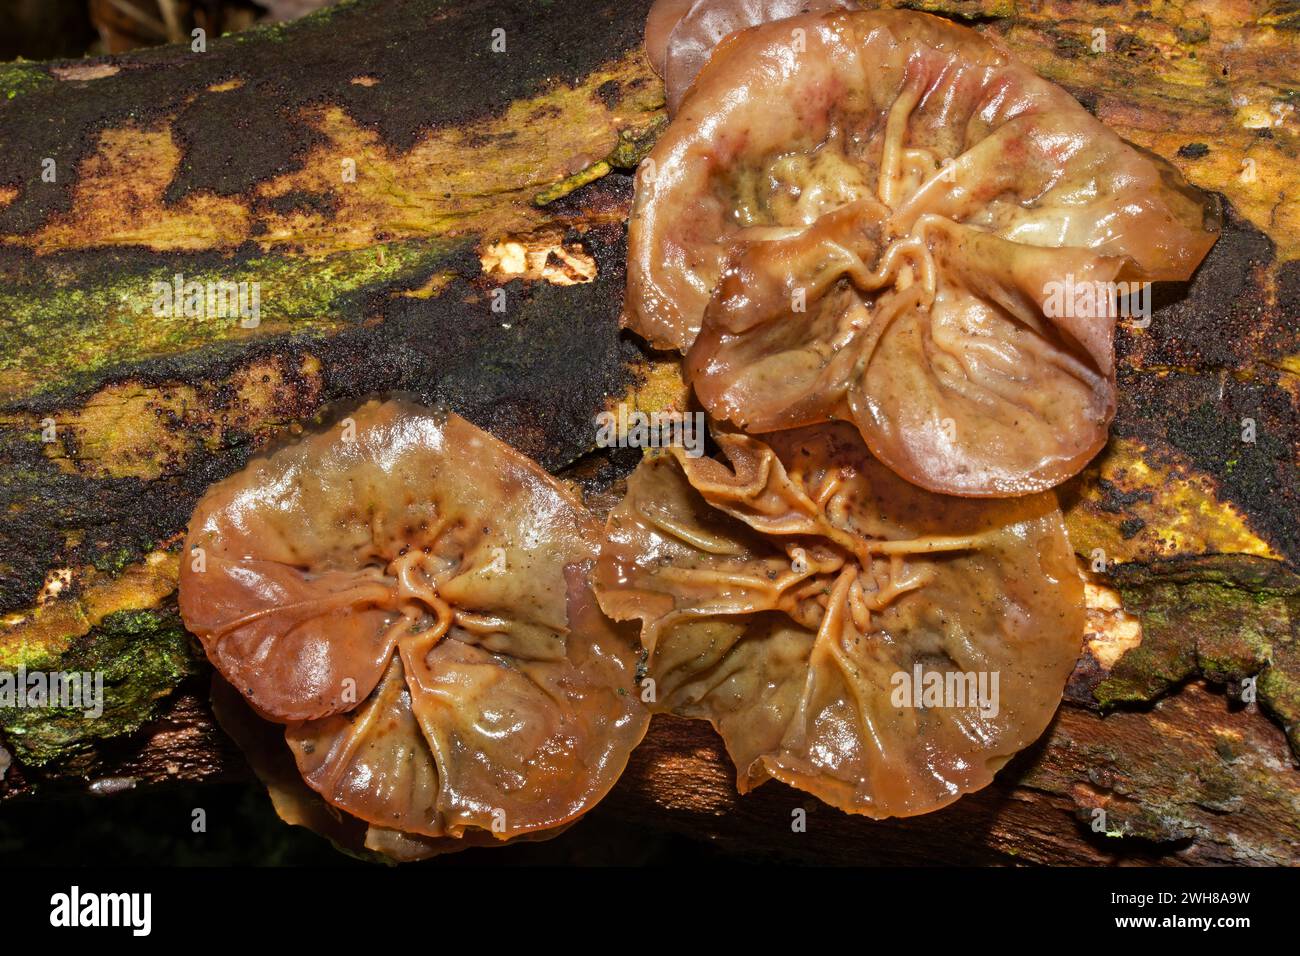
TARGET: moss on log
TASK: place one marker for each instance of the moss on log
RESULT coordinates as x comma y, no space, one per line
424,211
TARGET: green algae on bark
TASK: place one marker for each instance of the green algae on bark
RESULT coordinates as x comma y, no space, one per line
22,77
1228,620
141,655
70,320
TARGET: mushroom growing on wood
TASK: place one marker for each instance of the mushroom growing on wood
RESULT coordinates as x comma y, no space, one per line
409,596
882,647
883,218
680,35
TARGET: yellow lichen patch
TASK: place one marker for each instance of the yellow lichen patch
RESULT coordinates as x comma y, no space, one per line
225,87
126,431
542,256
1258,175
266,397
1214,74
133,430
118,200
431,287
7,195
477,178
1146,511
1284,222
1110,630
1289,383
659,388
49,628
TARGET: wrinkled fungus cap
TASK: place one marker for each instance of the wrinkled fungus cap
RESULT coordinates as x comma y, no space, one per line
681,36
894,223
882,647
409,596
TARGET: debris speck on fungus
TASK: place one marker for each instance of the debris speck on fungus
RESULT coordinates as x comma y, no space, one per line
409,597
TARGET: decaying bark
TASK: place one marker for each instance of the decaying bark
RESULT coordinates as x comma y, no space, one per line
383,169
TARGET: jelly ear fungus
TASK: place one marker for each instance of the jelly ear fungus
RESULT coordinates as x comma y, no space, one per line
408,596
882,647
896,224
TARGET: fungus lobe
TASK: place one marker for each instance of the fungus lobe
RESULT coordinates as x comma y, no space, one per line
893,223
408,596
680,35
883,647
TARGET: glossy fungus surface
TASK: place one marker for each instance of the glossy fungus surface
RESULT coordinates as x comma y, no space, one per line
410,597
880,646
893,223
681,36
660,22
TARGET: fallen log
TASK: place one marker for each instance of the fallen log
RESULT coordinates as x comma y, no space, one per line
430,198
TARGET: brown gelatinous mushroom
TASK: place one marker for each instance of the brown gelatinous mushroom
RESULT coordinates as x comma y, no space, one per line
894,223
660,22
297,804
409,596
681,36
882,647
